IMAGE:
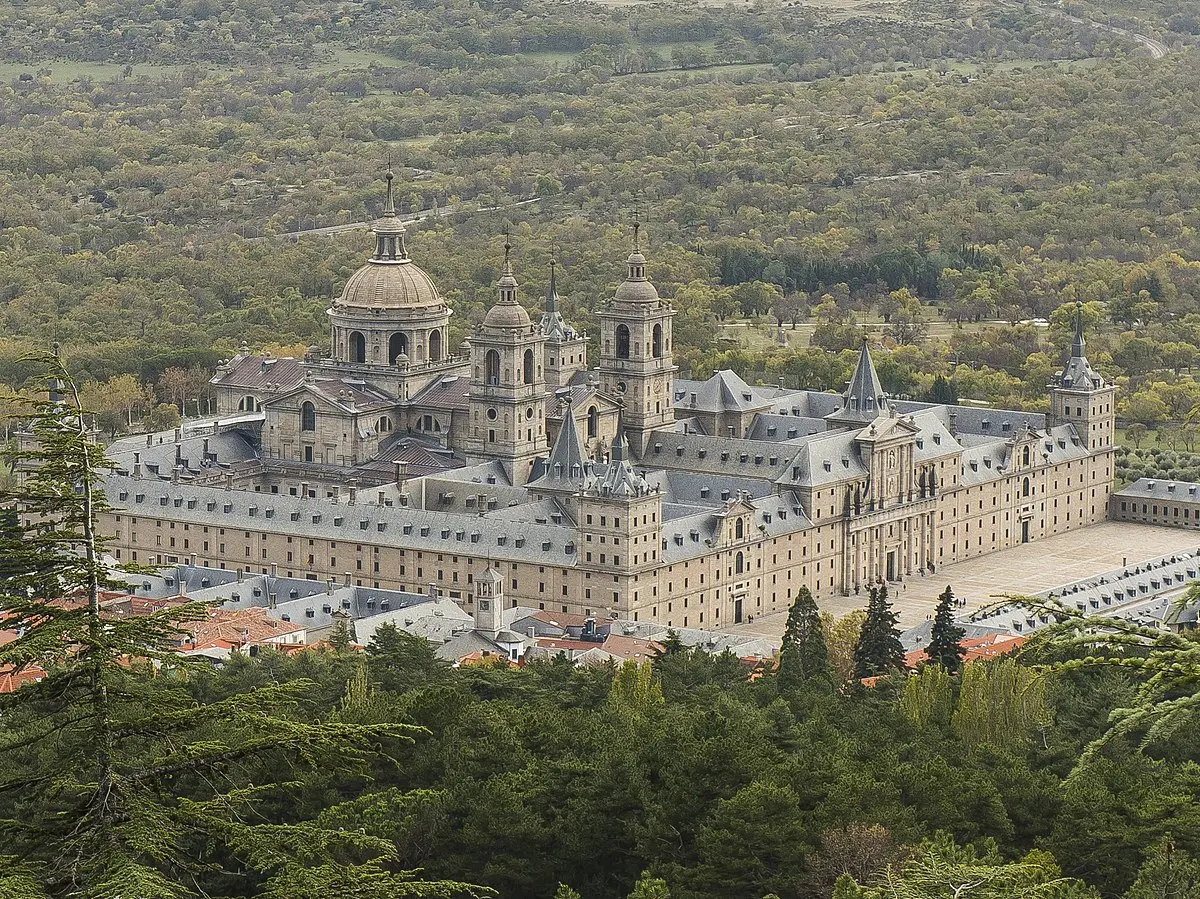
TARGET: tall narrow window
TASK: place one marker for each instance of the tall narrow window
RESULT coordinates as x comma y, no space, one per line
656,344
593,421
358,347
491,362
622,341
528,366
435,346
308,417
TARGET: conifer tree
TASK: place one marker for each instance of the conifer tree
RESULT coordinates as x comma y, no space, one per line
878,650
945,641
117,782
803,655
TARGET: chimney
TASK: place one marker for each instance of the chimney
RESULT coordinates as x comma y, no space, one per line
401,472
149,440
272,600
216,427
205,449
274,569
178,454
239,575
179,584
953,423
431,590
346,575
229,480
175,474
693,399
178,434
193,560
381,497
532,632
329,586
137,464
304,489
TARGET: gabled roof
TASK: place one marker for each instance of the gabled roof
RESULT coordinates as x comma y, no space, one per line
259,372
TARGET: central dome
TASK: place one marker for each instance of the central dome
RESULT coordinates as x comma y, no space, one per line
392,285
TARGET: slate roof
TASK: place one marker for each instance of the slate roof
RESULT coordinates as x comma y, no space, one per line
864,399
1182,492
158,451
446,393
389,525
260,373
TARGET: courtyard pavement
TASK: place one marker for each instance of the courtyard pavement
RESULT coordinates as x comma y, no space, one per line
1026,569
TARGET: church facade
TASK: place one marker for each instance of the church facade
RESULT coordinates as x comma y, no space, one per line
400,462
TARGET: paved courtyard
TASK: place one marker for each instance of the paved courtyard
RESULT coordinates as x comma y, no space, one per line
1030,568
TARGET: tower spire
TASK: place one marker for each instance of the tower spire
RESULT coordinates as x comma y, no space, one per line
389,229
637,227
507,283
1077,347
552,292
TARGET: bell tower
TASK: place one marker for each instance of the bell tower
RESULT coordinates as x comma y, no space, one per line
1079,396
635,351
507,401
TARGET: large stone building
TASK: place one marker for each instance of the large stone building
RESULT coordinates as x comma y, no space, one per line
397,462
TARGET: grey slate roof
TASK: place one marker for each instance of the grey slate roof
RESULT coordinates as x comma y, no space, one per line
863,399
157,452
389,525
1182,492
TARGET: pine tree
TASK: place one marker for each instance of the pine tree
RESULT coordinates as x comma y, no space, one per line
113,775
804,655
878,650
945,642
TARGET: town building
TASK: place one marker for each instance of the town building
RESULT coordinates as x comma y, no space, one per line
616,492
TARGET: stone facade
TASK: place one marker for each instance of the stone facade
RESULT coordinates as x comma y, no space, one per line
621,492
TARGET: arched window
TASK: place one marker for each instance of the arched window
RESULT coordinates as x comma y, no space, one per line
397,344
739,564
308,417
358,347
1025,456
739,529
435,346
656,345
622,341
491,362
593,424
248,404
528,366
1025,488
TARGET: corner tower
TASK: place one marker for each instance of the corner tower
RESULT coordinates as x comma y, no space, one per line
1079,396
507,401
635,351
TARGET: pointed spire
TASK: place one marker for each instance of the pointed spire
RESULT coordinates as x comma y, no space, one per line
389,229
864,398
507,282
1077,347
637,227
620,446
389,206
552,291
567,458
